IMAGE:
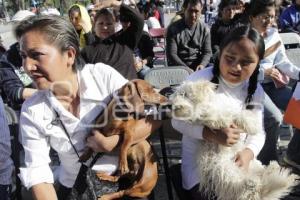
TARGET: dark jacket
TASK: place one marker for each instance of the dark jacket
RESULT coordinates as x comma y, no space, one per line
188,47
10,85
145,48
13,55
289,19
117,50
219,30
112,53
131,36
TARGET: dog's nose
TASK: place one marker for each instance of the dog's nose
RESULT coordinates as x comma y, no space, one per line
167,91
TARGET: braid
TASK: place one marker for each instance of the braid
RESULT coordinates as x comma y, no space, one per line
216,72
252,87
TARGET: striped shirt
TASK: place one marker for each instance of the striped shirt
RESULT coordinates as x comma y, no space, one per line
6,164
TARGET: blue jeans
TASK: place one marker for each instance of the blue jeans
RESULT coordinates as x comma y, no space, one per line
272,122
280,96
5,191
142,73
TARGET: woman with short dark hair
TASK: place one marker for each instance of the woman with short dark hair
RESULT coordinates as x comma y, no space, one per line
224,23
70,90
115,48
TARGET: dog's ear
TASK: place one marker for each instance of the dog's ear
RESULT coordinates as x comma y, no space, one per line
130,98
136,93
148,94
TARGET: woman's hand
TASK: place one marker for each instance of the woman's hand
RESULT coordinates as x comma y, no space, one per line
107,4
243,158
86,26
100,143
225,136
273,73
138,63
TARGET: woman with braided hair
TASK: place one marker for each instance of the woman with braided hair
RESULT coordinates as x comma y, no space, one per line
235,72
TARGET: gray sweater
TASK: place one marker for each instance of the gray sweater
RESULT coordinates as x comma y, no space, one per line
188,47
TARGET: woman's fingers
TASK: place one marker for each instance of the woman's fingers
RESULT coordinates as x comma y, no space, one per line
238,161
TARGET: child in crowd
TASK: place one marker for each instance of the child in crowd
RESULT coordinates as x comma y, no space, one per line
235,72
225,22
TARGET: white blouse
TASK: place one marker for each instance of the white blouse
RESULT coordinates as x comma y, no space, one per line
193,133
278,57
96,83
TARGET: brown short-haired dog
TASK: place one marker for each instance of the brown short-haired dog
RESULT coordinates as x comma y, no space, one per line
126,116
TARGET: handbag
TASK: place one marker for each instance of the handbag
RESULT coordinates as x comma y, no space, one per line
291,115
87,185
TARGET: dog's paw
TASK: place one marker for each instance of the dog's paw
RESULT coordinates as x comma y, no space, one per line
105,177
116,195
124,169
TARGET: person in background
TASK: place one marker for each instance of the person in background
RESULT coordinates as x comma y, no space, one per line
289,20
274,68
15,84
143,53
160,9
6,163
13,91
180,13
284,5
118,25
151,20
48,8
236,75
188,39
92,12
81,20
240,7
115,48
13,54
223,24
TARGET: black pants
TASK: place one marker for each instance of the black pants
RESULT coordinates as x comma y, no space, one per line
5,191
63,192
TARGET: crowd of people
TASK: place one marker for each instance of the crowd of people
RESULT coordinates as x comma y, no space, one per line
74,65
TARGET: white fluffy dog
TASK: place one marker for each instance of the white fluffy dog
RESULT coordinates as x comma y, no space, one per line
197,102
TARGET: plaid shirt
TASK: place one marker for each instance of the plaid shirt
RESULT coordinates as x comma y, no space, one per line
6,164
